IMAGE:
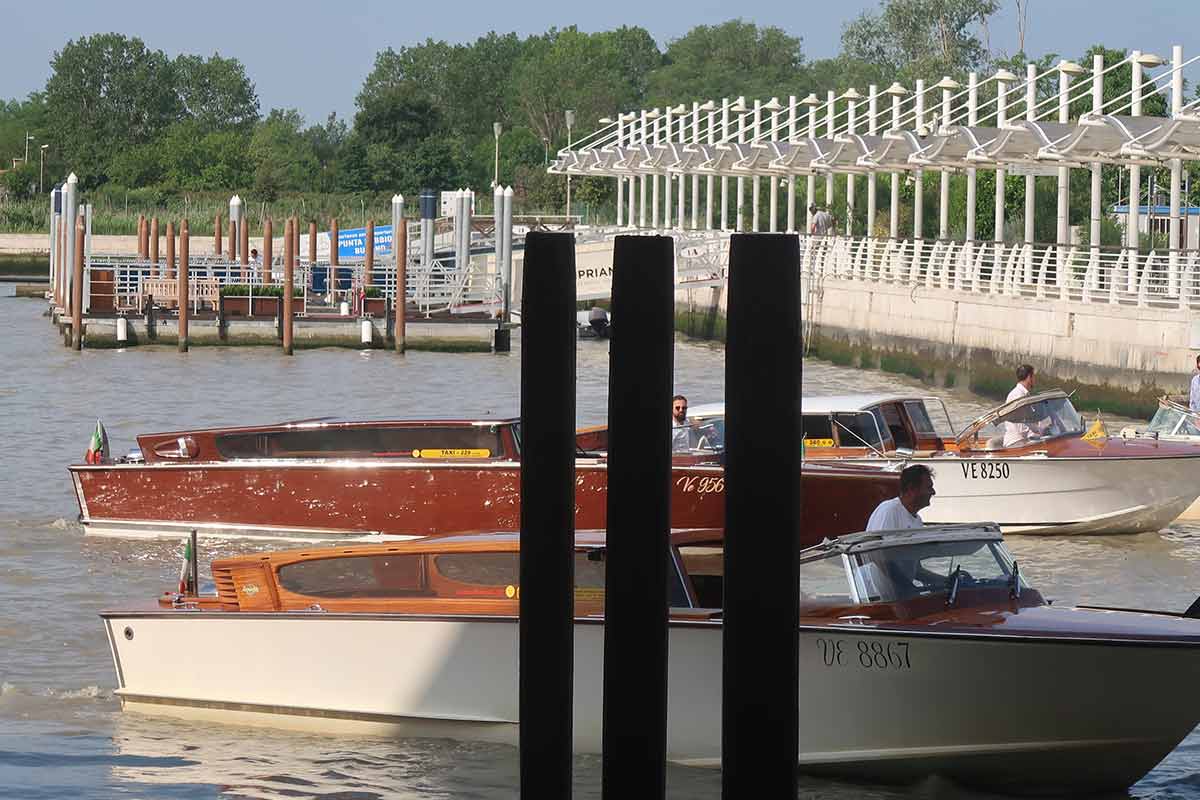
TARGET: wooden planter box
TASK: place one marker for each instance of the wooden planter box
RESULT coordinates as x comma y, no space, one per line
376,306
239,306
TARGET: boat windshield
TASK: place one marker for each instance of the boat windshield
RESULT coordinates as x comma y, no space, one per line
896,572
900,573
1172,419
1020,423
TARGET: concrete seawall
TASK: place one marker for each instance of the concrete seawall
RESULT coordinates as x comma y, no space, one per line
1118,358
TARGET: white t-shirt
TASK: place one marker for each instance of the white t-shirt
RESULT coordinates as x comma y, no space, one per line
1015,432
891,515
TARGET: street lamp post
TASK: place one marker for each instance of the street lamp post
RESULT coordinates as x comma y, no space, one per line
546,157
570,121
42,166
496,129
28,139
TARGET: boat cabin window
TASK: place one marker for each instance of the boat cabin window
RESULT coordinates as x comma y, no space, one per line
824,581
386,575
1170,420
861,429
709,433
893,423
414,441
817,430
888,574
919,418
1026,424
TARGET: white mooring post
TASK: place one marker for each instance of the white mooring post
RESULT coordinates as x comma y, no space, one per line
70,214
1176,173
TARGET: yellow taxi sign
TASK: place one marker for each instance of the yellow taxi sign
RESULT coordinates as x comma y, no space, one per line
818,442
589,594
455,453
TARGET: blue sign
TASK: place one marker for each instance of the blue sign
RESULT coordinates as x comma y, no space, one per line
352,243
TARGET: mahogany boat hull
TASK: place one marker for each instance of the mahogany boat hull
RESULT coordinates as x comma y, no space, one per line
316,499
1023,715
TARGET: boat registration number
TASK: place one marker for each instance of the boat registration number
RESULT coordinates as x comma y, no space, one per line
985,470
865,655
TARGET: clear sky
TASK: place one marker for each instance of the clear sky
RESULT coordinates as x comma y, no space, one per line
314,55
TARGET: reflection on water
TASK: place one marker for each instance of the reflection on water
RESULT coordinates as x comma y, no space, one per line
61,731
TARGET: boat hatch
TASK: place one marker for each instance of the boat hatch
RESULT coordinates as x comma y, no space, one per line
1026,420
891,566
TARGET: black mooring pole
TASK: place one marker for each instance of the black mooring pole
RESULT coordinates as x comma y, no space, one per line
760,690
639,518
547,514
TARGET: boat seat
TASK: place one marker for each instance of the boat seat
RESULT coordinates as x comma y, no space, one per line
996,442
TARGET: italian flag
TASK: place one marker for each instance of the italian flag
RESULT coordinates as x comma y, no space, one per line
98,447
185,573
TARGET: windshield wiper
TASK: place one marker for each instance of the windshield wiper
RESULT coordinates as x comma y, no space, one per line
1014,582
952,595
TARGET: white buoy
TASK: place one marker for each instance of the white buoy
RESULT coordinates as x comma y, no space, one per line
367,331
344,309
122,329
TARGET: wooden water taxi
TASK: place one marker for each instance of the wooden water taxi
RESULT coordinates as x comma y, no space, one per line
1030,464
323,479
921,652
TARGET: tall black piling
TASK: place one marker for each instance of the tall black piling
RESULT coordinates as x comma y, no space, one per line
547,515
760,689
639,517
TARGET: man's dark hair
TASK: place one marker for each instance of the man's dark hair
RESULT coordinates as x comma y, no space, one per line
912,475
813,208
1198,360
678,397
1024,371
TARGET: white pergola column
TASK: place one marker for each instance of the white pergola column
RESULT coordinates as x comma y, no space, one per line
1094,210
829,124
773,181
1002,79
655,115
791,179
872,130
1065,70
620,184
919,173
667,177
710,181
810,187
852,98
896,91
947,85
1135,179
756,181
1030,180
725,178
695,176
972,175
642,178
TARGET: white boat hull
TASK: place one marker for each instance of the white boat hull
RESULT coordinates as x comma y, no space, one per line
1051,714
1041,495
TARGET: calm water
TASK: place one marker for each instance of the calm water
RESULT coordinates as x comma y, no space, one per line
61,730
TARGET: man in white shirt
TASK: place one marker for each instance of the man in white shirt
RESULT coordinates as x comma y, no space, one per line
822,224
1194,395
1015,432
900,513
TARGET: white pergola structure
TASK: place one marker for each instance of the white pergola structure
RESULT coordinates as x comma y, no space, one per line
1025,125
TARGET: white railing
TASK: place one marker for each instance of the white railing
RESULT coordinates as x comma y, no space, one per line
1117,276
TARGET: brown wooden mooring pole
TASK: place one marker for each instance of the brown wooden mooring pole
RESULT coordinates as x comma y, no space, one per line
289,272
268,248
547,571
218,229
184,309
143,237
400,248
312,245
169,267
77,288
153,246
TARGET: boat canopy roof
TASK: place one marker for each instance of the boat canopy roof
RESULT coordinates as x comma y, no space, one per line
841,403
1005,409
878,540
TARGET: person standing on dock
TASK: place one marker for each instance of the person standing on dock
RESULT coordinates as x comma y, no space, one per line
822,224
1194,394
900,513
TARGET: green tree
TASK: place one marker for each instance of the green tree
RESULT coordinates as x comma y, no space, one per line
215,92
911,39
105,93
478,79
727,60
283,159
420,69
